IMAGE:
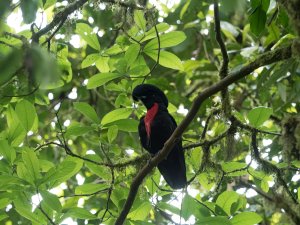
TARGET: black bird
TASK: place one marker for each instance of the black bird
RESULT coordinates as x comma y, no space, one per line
155,128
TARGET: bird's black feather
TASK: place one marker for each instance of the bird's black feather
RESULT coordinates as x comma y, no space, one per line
163,125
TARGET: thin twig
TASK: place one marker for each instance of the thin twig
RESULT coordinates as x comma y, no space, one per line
158,55
85,195
226,105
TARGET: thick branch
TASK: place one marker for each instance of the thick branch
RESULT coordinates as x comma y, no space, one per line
265,59
60,16
220,41
226,107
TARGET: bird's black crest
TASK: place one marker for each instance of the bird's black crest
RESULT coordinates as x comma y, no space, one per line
148,90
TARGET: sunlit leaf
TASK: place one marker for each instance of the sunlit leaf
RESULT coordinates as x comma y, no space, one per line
91,188
7,151
246,218
139,19
166,59
214,220
85,31
32,163
89,60
132,53
166,40
101,79
226,199
102,64
112,133
259,115
161,27
141,212
115,115
87,110
26,212
51,201
26,113
80,213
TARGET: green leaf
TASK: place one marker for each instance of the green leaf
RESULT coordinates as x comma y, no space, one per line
214,220
3,216
165,206
230,166
8,180
101,79
24,173
49,3
26,212
87,110
121,66
161,27
128,125
7,151
166,59
139,19
132,53
246,218
264,184
115,115
282,90
184,9
141,212
4,202
102,64
9,64
166,40
139,68
260,3
26,113
32,163
87,189
100,171
78,130
80,213
188,206
65,170
112,133
259,115
89,60
85,31
51,201
115,49
226,199
296,163
29,8
258,20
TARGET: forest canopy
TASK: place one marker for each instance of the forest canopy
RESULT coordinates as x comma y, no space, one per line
69,146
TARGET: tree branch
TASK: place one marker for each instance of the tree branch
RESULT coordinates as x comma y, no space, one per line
60,16
226,107
264,59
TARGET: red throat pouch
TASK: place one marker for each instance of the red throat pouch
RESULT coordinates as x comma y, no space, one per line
151,113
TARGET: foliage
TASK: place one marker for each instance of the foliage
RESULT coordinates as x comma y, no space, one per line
69,147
